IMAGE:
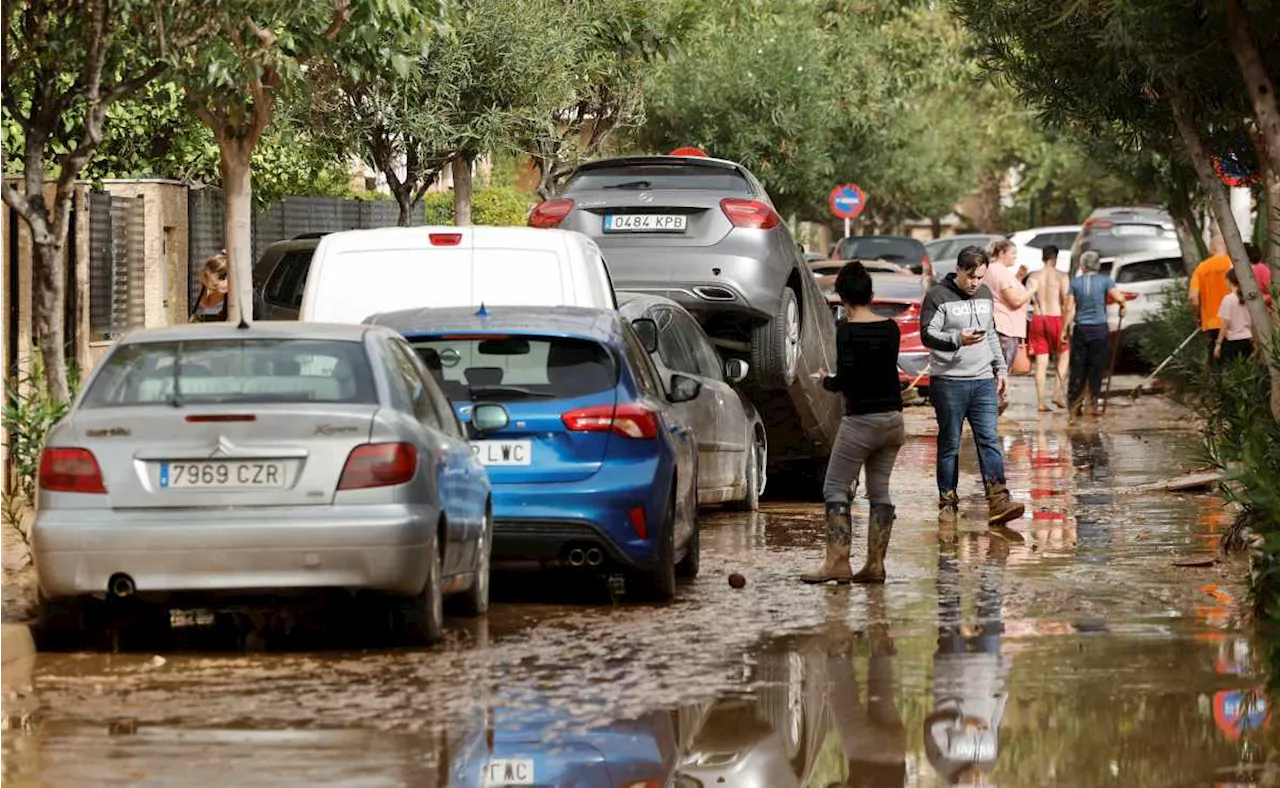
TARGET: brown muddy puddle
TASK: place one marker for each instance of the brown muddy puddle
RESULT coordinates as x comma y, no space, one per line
1080,656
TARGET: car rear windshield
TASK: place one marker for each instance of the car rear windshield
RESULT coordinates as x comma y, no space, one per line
645,177
251,371
896,289
895,250
517,367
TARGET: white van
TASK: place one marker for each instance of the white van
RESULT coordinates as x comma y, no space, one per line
360,273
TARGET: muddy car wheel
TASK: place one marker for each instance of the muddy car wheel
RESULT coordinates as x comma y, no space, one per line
66,623
422,617
475,602
660,584
754,472
775,346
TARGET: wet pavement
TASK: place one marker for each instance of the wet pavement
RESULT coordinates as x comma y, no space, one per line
1080,656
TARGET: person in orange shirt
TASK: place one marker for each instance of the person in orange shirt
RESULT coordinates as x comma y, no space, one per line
1208,287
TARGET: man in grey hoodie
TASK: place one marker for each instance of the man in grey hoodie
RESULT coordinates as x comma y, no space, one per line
968,377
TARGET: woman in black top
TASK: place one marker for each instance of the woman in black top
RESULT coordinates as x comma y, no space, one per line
871,432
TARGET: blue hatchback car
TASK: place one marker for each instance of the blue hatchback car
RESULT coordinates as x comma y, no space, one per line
594,468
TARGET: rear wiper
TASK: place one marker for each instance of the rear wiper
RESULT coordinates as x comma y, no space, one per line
517,391
630,185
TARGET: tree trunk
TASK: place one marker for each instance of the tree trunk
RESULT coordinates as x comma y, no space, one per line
48,305
462,190
237,199
404,199
988,218
1220,202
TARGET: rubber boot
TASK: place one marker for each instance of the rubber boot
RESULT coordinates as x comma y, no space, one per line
879,528
948,508
839,534
1001,507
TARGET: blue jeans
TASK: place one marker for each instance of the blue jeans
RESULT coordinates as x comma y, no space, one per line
956,400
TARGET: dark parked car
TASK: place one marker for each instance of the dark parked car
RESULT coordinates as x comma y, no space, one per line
908,253
1112,232
280,275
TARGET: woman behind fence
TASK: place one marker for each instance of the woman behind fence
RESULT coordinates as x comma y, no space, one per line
211,304
871,432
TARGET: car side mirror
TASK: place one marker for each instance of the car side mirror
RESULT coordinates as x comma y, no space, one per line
489,417
684,389
735,370
647,330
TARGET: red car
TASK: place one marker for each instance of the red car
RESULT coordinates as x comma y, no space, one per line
901,297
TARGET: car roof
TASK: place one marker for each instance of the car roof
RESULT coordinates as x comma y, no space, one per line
477,236
260,329
639,302
882,238
1057,228
1138,211
601,325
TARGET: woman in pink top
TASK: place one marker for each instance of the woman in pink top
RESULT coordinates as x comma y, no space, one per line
1235,340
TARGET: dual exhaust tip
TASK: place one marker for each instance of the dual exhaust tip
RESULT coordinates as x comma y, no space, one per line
589,557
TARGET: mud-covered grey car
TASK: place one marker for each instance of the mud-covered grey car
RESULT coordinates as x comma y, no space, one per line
704,233
733,450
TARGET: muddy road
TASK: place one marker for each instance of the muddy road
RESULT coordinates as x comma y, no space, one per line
1080,656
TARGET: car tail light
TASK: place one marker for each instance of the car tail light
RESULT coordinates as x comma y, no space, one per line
70,470
927,266
1098,224
636,517
644,784
752,214
550,213
445,239
629,421
379,465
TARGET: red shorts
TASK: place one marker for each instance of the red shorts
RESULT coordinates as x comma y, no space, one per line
1044,335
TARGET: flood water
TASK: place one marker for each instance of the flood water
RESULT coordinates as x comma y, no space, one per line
1081,656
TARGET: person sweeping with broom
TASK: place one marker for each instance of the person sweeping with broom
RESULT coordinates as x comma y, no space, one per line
1086,328
871,432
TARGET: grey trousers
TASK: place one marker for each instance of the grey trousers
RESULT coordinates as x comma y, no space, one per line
871,440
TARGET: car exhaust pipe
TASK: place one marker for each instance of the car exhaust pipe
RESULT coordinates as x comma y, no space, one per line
594,557
576,557
121,586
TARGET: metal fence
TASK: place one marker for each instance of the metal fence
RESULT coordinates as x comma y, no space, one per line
289,218
117,267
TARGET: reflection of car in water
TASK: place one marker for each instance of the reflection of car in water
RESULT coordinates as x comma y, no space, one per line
522,748
770,739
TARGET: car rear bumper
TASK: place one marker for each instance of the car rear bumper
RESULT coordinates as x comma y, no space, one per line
702,279
378,548
549,521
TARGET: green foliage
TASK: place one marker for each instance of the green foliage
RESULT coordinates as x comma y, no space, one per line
1239,433
495,205
29,413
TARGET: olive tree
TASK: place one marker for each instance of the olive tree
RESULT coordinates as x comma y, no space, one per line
65,63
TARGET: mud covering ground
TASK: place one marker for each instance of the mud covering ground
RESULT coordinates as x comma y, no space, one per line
1078,656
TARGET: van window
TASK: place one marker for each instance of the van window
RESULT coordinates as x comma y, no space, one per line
517,367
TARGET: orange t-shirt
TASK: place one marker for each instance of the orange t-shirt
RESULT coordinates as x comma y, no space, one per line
1210,281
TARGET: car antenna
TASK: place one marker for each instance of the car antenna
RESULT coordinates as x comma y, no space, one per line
482,312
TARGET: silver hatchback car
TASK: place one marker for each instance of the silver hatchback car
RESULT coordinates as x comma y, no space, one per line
209,462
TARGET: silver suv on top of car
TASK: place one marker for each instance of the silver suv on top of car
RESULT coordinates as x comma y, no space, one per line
704,233
1112,232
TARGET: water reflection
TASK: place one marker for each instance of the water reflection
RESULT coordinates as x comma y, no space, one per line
963,731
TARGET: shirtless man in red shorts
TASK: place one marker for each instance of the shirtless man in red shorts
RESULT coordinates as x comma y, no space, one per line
1048,288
